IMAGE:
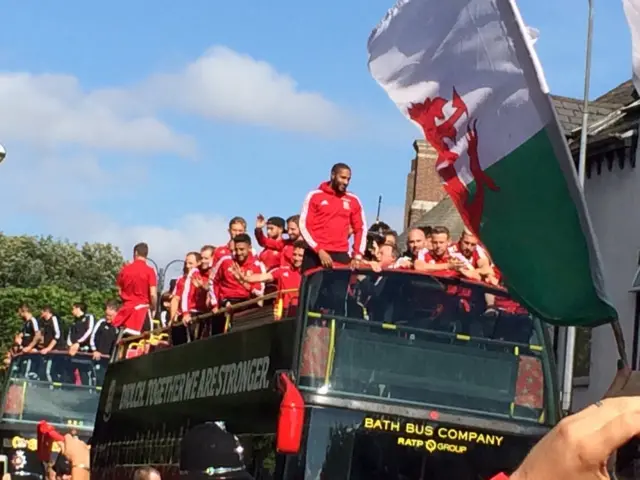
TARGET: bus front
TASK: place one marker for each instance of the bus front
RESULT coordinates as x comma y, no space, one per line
58,388
414,376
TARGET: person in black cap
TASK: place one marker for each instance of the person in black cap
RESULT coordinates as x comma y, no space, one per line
209,452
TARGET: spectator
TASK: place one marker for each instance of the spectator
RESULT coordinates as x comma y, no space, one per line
288,277
438,258
237,226
328,215
416,249
79,336
104,334
51,332
229,286
137,286
146,473
271,254
30,334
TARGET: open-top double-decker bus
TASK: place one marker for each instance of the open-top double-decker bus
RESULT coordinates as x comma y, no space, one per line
61,389
388,375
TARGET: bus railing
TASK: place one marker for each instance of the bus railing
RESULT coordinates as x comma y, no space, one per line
135,346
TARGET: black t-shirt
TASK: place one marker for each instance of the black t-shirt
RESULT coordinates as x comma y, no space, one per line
29,330
103,337
50,331
81,330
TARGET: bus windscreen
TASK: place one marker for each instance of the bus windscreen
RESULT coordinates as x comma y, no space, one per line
58,388
422,340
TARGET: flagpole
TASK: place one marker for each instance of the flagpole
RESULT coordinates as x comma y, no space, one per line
570,340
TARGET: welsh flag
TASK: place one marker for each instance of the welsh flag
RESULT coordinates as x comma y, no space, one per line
632,12
466,73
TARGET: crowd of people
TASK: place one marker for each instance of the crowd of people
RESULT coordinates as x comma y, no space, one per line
45,333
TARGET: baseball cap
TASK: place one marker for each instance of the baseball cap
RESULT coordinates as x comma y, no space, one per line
209,452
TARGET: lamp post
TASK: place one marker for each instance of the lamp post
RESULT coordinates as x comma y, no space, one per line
161,273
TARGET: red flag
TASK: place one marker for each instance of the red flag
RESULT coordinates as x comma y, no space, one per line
46,436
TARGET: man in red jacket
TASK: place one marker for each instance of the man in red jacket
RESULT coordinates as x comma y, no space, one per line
273,243
229,286
328,216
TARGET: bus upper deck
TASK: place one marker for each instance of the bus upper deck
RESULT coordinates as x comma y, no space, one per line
392,359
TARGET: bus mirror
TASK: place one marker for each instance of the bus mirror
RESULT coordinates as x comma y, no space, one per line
291,418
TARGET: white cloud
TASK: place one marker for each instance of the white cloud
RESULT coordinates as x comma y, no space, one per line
53,110
227,85
187,233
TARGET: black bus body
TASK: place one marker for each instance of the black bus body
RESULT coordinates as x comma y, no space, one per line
57,388
403,376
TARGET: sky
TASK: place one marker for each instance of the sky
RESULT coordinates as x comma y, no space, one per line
158,121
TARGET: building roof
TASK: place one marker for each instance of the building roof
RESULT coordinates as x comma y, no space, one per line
443,214
608,114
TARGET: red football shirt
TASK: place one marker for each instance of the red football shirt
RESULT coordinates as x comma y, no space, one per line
288,280
134,281
192,298
225,286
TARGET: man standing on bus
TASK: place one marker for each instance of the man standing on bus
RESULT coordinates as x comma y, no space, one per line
272,251
329,214
80,330
229,284
30,334
284,245
51,332
103,337
288,278
137,285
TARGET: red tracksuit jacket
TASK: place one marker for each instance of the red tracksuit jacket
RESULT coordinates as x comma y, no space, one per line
326,218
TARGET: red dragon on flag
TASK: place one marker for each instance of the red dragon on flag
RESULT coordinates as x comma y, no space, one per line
441,132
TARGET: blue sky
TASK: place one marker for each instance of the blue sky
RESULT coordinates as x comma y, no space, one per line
157,121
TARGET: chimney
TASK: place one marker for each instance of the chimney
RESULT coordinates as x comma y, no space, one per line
424,189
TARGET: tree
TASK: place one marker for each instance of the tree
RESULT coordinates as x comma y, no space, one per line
43,271
29,262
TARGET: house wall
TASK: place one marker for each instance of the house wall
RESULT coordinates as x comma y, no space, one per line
613,200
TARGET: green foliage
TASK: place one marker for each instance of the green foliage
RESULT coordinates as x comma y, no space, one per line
30,262
43,271
58,298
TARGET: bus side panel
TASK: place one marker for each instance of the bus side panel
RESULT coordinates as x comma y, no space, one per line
149,403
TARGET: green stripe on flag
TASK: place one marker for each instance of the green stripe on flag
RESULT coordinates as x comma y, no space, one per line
533,214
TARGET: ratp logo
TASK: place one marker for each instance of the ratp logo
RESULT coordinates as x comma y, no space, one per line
108,406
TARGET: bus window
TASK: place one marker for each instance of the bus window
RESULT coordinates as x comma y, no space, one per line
418,339
57,388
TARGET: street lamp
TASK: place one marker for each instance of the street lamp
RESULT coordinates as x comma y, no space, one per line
161,273
3,153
